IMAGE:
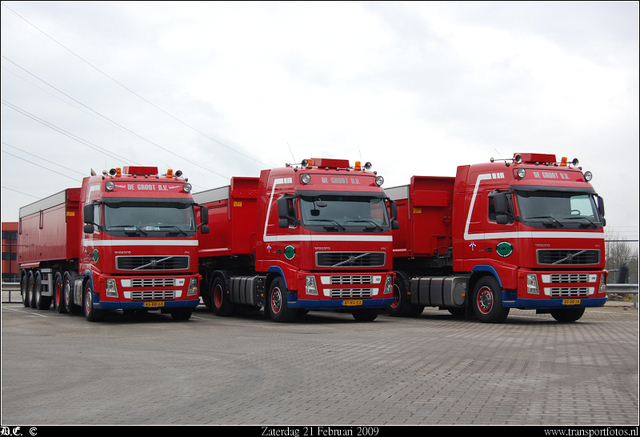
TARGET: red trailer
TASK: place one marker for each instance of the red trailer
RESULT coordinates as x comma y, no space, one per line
125,240
311,237
526,233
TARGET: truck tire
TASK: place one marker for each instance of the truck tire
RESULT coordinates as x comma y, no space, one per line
24,288
58,295
90,313
567,315
41,302
32,290
487,301
277,308
402,306
365,314
220,302
181,314
67,292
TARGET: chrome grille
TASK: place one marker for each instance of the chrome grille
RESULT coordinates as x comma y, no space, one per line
568,278
351,292
568,257
153,295
153,282
152,263
567,291
350,259
349,280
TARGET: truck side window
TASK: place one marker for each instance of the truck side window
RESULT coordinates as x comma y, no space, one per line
492,210
97,217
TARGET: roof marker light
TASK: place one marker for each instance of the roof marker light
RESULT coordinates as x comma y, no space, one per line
379,181
588,176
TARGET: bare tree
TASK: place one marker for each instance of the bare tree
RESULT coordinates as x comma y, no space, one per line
621,259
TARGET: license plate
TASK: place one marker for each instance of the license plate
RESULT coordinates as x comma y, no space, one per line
352,302
571,302
153,304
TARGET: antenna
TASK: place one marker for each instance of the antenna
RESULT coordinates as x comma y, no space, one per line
294,158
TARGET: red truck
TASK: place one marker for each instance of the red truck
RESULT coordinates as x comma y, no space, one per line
526,233
125,240
314,236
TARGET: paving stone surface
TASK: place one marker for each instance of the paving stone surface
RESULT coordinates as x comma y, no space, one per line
323,369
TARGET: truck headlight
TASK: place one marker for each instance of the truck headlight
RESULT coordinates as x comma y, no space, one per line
532,284
193,287
112,289
310,285
388,285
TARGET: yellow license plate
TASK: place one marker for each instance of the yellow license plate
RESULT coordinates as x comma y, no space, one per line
570,301
352,302
153,304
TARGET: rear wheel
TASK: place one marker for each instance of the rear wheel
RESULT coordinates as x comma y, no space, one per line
41,302
567,315
277,304
24,288
67,292
220,302
58,297
487,301
401,305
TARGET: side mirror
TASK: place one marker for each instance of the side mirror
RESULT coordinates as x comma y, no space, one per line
283,223
283,207
204,229
88,229
601,206
502,219
394,214
87,212
500,203
204,215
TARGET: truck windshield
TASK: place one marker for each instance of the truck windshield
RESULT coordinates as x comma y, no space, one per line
344,213
558,209
142,219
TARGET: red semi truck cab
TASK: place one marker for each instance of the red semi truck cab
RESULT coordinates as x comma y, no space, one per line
310,237
125,240
526,233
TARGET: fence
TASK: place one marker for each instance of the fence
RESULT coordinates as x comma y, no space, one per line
11,291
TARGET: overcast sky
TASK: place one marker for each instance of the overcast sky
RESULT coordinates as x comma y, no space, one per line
227,89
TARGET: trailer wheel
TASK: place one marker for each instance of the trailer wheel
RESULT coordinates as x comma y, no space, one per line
32,290
67,292
58,296
220,302
487,301
365,314
42,302
277,305
90,313
567,315
24,288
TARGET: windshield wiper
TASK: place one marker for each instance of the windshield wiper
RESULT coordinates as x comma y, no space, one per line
372,228
174,227
331,221
135,228
548,217
582,218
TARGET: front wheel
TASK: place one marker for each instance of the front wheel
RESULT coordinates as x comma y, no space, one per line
365,314
90,313
567,315
277,307
487,301
181,314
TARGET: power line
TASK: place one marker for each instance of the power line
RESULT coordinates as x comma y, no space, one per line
129,90
115,123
